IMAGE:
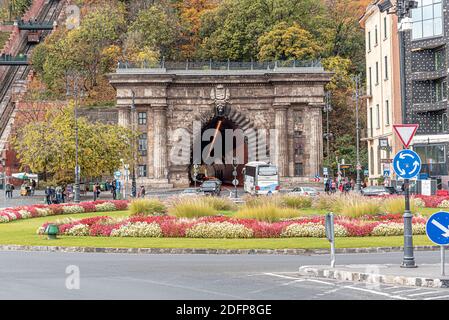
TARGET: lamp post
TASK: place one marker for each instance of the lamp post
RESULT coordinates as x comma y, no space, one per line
133,145
327,135
358,183
75,92
403,8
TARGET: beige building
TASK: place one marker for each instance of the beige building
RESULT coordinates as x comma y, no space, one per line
383,89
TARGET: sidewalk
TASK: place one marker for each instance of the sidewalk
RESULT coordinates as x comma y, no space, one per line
426,275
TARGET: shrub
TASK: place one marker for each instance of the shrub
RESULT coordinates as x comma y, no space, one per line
138,229
297,202
192,208
219,230
267,212
146,207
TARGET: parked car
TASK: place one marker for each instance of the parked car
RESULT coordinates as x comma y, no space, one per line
304,191
191,192
211,187
378,191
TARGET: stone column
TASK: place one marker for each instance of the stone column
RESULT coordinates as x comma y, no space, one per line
316,141
281,140
160,141
124,116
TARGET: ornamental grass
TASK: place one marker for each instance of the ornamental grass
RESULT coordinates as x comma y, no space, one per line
266,212
396,205
296,202
146,207
192,208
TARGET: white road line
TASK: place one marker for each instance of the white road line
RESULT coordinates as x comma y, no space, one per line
407,290
434,298
281,276
390,288
422,293
377,292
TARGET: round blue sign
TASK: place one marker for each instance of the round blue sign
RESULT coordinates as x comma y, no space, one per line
407,164
437,228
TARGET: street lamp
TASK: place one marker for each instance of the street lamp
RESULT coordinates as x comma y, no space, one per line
75,92
328,135
403,8
358,183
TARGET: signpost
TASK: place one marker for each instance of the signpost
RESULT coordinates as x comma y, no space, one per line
407,165
330,235
437,229
235,181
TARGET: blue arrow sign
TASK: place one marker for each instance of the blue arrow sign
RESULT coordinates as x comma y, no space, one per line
437,228
407,164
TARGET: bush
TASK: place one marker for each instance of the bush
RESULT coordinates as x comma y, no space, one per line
146,207
297,202
267,212
219,230
192,208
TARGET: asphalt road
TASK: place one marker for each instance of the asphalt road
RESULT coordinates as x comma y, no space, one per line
51,275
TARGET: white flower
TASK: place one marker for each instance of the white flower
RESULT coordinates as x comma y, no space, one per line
138,229
219,230
78,230
106,206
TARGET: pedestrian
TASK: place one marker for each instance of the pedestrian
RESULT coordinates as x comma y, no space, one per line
326,185
114,189
334,186
33,186
48,195
142,192
63,193
8,190
97,191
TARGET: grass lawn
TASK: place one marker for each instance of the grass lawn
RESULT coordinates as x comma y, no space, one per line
427,212
23,232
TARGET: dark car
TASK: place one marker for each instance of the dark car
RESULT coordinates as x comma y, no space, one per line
211,187
378,191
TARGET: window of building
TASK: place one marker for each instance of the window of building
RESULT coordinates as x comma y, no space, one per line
439,60
371,127
377,116
377,73
431,153
441,90
142,170
299,170
370,82
369,41
385,28
427,19
297,143
386,67
371,162
143,142
379,164
142,118
387,112
444,122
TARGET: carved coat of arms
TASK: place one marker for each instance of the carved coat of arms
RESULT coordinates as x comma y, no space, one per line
220,95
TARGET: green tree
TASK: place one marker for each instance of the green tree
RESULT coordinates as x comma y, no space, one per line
286,42
49,146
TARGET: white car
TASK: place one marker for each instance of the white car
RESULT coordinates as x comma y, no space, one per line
304,191
191,192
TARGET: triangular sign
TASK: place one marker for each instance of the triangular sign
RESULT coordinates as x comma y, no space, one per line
406,132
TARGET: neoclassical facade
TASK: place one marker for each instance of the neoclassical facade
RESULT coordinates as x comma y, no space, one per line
174,106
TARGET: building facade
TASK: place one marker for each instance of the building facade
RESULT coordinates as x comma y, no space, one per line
174,107
426,69
383,89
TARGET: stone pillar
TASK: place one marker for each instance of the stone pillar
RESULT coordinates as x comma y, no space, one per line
124,116
160,141
281,140
316,141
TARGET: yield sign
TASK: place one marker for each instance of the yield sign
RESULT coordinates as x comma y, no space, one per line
406,132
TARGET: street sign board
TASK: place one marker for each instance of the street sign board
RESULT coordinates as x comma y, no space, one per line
235,182
407,164
117,174
366,172
406,132
386,160
387,173
345,166
437,228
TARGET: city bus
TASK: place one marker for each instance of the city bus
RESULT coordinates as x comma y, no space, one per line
261,178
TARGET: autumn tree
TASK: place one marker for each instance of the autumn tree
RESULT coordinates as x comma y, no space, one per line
286,42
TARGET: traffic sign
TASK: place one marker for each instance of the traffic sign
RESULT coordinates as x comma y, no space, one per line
117,174
366,173
406,132
325,171
235,182
386,173
437,228
407,164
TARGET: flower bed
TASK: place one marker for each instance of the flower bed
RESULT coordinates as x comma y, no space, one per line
225,227
34,211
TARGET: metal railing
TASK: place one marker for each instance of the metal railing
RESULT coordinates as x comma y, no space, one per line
219,65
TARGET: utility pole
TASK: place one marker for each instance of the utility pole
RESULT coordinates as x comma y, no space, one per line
328,135
358,186
403,8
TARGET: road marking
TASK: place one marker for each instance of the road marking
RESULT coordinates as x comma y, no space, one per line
422,293
377,292
390,288
407,290
280,276
434,298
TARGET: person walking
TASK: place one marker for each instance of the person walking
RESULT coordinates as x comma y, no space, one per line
48,195
97,191
114,189
334,186
33,187
8,190
142,192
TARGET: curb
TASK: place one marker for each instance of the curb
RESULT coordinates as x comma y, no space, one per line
373,278
209,251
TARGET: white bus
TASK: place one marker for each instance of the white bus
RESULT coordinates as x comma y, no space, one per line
261,178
